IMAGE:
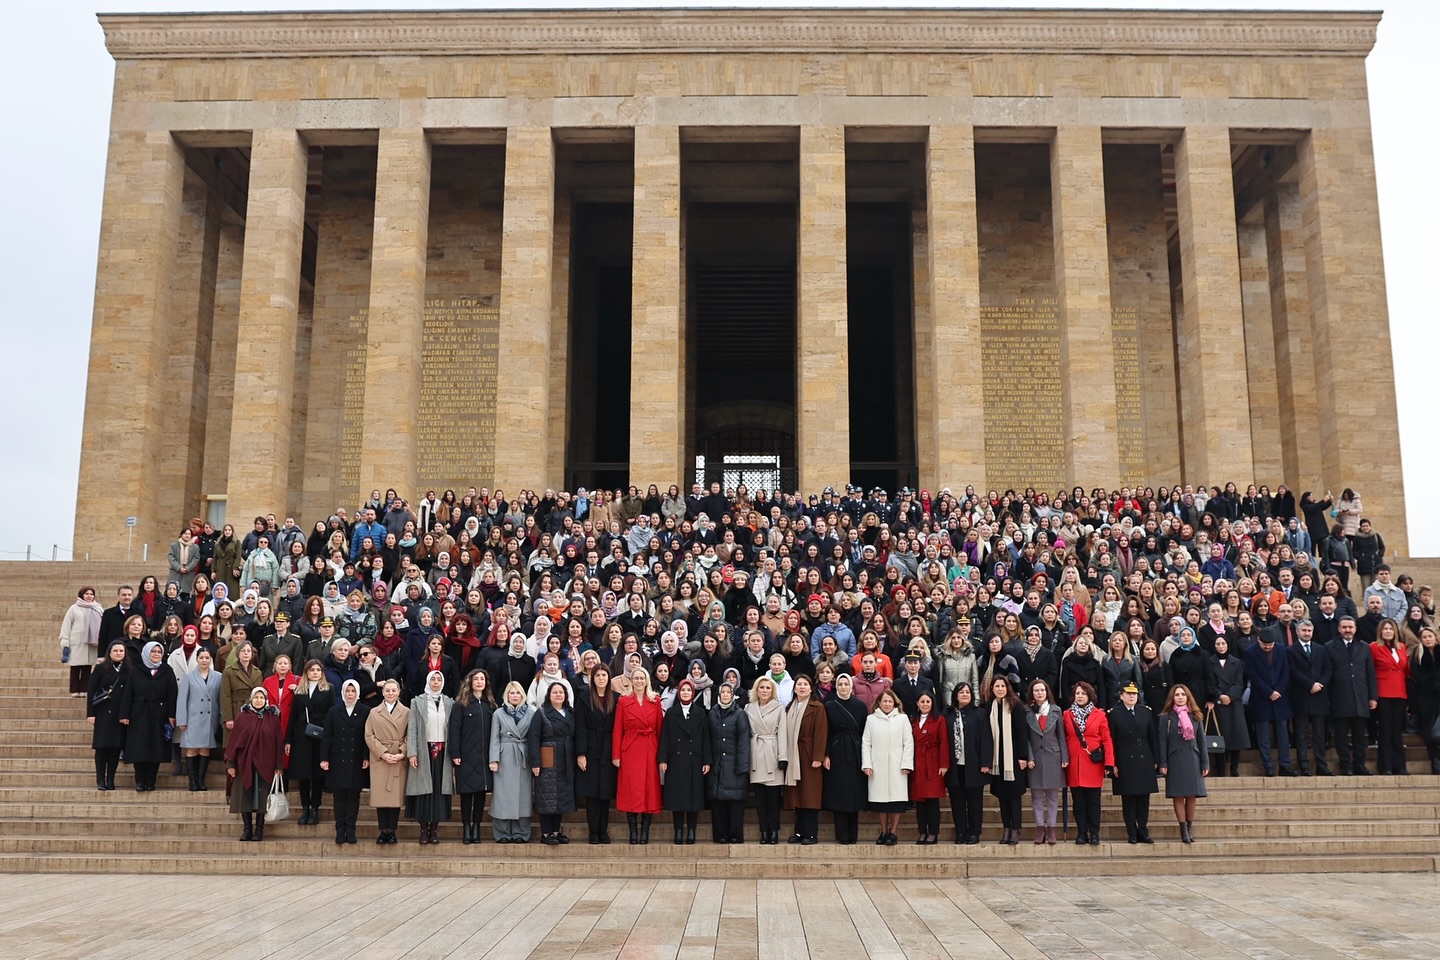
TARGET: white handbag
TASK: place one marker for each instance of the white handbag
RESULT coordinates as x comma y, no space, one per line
276,806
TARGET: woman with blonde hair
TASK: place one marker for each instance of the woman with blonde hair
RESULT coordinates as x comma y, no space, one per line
769,754
386,729
887,758
634,750
514,764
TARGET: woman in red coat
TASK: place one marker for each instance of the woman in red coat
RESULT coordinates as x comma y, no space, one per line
1088,729
932,761
636,745
1392,674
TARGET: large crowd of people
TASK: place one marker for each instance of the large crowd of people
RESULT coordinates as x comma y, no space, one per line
679,653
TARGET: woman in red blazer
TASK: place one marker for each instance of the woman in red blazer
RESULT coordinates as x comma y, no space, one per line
1088,728
634,751
1392,671
932,760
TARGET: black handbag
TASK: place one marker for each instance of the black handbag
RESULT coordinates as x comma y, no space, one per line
1214,743
312,730
101,696
1096,754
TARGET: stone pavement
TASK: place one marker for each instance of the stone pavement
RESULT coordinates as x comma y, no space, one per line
1317,917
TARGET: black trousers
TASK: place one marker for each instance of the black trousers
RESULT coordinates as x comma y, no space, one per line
967,807
312,792
1350,736
927,812
847,827
550,823
1010,808
347,809
727,820
1391,714
80,678
597,815
145,773
388,818
807,822
1135,807
107,761
1087,810
767,807
472,808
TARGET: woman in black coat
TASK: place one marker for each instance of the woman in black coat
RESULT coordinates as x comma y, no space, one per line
964,781
107,689
684,758
558,737
469,741
1190,667
345,758
147,705
729,781
596,782
845,786
1425,692
311,705
1081,665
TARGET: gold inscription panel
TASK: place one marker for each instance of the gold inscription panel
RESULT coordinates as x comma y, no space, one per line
1024,423
1129,412
457,392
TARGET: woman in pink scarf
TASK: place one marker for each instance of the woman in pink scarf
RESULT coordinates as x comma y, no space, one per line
1184,762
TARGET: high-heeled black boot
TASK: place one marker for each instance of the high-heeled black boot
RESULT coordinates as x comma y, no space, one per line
634,819
644,828
679,829
201,770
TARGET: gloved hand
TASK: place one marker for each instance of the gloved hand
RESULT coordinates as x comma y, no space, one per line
783,765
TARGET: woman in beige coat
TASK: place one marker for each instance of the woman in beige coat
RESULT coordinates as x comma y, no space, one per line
386,730
769,752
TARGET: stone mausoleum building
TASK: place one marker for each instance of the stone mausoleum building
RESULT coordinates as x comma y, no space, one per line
526,249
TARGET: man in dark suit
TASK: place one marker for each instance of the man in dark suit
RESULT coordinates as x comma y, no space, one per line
912,685
112,621
1353,695
1132,728
1327,621
1282,631
1268,666
1310,696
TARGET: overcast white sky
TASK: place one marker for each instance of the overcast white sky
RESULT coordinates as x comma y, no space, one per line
56,77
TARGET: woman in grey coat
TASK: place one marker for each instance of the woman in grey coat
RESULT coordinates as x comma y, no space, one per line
515,762
729,781
1183,761
1048,759
197,716
1229,670
432,779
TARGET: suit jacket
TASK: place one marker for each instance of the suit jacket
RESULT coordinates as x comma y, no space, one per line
1268,675
909,694
1136,750
1352,679
1305,672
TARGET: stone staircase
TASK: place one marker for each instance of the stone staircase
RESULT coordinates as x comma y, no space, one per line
52,819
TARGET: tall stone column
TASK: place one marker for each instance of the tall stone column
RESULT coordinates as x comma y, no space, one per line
1357,438
657,352
523,455
389,447
1214,397
129,341
956,387
261,421
822,330
1298,408
1082,287
1265,420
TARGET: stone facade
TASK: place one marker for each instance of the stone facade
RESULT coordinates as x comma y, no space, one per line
336,249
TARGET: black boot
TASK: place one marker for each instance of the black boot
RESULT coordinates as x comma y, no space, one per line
634,819
644,828
201,770
259,827
690,834
1185,832
248,833
679,829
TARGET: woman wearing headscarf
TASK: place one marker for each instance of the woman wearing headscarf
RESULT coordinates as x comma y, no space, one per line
431,782
843,782
633,751
964,781
197,715
887,756
684,761
469,744
596,781
1005,753
550,674
102,710
514,764
705,689
1183,761
729,777
559,739
345,759
1190,667
80,638
1087,729
147,709
769,753
387,727
309,705
252,755
808,729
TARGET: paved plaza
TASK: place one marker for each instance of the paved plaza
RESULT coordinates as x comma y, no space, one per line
208,918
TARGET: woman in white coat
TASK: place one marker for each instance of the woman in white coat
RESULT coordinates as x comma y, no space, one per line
887,755
197,716
80,639
769,753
